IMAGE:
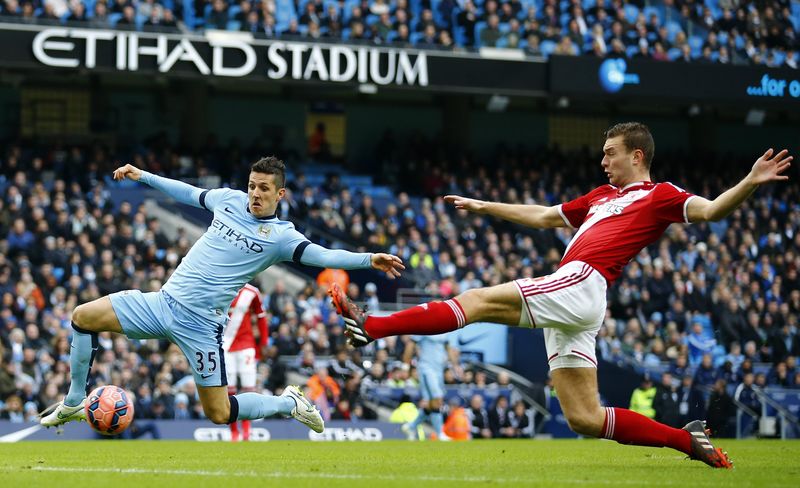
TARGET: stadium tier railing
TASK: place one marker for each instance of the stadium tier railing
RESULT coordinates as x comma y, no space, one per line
776,404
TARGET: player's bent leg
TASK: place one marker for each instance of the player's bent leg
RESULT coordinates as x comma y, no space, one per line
500,304
87,320
577,391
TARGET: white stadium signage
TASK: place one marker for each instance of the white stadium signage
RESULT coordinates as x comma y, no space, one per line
279,60
347,434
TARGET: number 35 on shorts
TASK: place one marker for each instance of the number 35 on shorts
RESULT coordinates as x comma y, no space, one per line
206,362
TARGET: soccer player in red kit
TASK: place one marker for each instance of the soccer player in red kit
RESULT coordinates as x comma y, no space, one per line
239,344
614,222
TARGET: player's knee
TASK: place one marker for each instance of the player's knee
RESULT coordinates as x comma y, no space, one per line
80,315
583,423
218,415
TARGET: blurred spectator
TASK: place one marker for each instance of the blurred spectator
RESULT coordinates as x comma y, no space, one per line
643,397
666,402
479,418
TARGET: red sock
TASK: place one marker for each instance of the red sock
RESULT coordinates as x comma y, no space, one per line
427,319
245,430
234,432
628,427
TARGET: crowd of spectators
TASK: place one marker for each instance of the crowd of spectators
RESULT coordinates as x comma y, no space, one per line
719,31
708,302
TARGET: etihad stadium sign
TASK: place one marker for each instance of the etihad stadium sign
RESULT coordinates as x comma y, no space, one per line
231,55
238,55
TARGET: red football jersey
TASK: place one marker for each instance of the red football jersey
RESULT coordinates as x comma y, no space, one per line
614,224
239,332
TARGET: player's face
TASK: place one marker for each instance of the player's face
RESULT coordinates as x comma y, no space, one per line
263,194
618,162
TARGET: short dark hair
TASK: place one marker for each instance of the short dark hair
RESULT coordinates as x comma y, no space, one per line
271,166
635,135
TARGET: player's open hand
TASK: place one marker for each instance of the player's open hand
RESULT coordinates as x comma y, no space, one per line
388,263
464,203
770,167
127,171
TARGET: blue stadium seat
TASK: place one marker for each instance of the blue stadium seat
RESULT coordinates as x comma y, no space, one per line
547,47
696,43
113,19
479,26
233,10
649,11
630,51
780,57
672,30
674,54
233,25
631,12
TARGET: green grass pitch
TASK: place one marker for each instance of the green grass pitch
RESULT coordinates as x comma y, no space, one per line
295,464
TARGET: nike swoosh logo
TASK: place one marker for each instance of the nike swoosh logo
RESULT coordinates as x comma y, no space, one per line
464,342
228,210
206,376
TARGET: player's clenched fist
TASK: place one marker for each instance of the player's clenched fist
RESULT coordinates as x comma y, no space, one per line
127,171
464,203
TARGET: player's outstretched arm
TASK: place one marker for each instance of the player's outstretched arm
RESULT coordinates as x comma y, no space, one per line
768,168
180,191
316,255
536,216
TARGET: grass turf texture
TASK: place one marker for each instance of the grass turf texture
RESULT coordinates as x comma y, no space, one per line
388,464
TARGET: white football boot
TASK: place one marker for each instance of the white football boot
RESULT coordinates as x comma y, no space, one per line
61,414
304,411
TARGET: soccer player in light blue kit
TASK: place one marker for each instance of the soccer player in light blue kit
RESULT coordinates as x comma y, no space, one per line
244,238
432,355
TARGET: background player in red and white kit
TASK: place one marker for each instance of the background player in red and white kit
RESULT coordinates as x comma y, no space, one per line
241,351
614,222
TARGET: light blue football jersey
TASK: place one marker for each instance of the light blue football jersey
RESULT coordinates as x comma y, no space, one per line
233,250
432,351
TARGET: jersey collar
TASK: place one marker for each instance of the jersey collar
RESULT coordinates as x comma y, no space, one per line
268,217
636,185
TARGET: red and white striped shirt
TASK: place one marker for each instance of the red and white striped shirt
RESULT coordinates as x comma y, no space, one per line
614,224
239,332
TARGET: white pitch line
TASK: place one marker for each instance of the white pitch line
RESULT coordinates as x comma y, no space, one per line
279,474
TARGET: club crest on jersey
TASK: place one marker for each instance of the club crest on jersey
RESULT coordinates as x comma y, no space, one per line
264,230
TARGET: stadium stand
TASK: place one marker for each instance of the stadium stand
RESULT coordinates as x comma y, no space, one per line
741,33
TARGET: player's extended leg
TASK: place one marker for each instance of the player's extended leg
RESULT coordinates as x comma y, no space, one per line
500,304
577,392
222,409
88,320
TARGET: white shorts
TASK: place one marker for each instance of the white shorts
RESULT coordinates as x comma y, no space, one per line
570,305
241,363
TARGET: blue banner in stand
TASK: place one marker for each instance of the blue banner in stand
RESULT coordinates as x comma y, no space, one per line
205,431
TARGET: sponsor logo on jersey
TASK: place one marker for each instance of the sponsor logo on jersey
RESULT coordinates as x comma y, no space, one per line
235,237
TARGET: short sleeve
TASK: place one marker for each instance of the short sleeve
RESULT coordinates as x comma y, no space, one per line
292,243
209,199
671,203
574,211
